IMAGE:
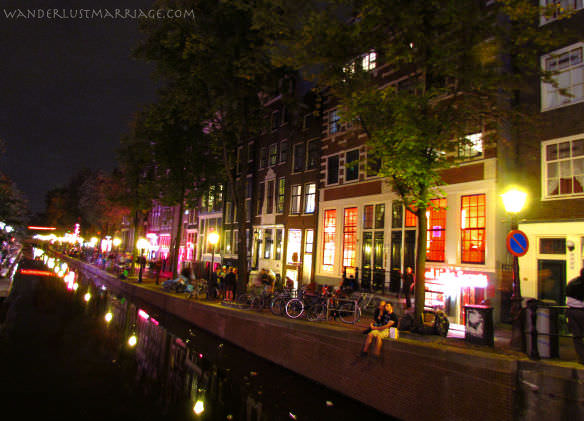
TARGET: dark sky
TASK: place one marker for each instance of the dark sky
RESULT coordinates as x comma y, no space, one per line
68,90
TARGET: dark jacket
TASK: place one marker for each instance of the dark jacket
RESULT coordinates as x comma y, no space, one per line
575,288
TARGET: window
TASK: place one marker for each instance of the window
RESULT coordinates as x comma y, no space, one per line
235,245
313,155
227,242
568,64
557,7
308,244
263,157
334,122
329,238
352,164
373,165
374,217
552,246
268,242
473,223
281,195
274,154
279,244
275,120
270,204
369,61
228,212
296,204
310,198
261,193
397,212
368,217
299,157
350,237
472,147
332,168
294,246
411,219
436,234
563,170
283,151
306,121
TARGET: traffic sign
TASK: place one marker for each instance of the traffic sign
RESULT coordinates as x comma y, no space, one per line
517,243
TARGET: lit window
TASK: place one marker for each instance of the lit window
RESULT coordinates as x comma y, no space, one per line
227,241
294,245
329,238
558,7
309,241
568,66
310,198
296,204
281,195
473,224
268,242
436,234
279,244
472,147
369,61
334,122
563,168
411,219
350,237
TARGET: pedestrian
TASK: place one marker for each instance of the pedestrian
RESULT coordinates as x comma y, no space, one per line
230,281
408,285
213,283
575,313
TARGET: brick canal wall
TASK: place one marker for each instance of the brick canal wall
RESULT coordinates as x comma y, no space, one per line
412,381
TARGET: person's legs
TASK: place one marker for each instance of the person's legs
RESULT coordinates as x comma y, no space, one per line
576,326
368,341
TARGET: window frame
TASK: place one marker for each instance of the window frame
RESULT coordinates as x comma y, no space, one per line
296,198
543,90
355,168
464,230
306,198
328,158
544,168
300,147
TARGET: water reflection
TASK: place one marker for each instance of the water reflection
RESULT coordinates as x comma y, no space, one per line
191,374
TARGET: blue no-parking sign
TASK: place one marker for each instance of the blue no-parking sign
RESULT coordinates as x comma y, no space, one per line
517,243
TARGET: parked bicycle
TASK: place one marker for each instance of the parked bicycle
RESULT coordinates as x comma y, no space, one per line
279,301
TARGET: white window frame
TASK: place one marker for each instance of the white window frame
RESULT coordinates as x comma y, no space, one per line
369,61
574,70
562,5
306,201
544,167
296,199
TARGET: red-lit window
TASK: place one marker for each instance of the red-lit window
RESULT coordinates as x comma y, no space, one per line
350,237
330,231
473,223
411,219
435,235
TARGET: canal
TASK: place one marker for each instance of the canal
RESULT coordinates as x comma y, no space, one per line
71,347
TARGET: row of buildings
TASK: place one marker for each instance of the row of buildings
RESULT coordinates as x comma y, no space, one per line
318,211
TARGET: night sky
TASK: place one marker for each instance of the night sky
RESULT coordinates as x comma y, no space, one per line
68,90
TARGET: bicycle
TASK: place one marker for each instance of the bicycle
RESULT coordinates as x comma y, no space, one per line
313,306
279,301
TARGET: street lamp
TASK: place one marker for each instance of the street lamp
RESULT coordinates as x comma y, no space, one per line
514,200
213,239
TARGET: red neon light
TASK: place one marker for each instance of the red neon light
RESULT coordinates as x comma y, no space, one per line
42,228
36,272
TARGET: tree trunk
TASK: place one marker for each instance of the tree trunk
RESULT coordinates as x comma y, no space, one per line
420,281
177,238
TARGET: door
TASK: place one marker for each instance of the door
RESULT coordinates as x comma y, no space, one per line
551,280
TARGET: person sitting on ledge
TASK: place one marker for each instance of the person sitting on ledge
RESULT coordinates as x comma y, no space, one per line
380,330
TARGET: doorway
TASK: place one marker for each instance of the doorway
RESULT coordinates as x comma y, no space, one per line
551,280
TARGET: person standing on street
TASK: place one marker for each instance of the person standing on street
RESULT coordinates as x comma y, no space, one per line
575,313
408,284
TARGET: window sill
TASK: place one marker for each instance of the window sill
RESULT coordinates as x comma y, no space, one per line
567,104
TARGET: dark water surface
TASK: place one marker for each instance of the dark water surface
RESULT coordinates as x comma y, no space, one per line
60,359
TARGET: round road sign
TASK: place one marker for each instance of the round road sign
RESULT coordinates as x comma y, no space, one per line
517,243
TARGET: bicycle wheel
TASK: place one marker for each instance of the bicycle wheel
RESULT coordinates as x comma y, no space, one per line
316,312
257,303
294,308
245,300
278,306
348,313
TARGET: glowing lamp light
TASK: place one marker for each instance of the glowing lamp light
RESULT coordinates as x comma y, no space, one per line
132,341
213,238
93,241
75,286
117,242
51,263
199,407
108,316
87,297
142,244
514,200
143,314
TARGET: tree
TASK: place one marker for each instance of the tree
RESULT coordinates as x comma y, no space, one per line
216,67
461,64
13,206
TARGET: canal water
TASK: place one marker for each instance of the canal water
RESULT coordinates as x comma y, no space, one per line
67,351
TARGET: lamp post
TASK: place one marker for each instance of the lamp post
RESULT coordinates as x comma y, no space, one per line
514,200
213,239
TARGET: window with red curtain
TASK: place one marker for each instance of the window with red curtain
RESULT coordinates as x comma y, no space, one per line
411,219
350,237
330,231
435,236
473,224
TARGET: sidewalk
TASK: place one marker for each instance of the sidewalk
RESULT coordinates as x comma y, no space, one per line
455,338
